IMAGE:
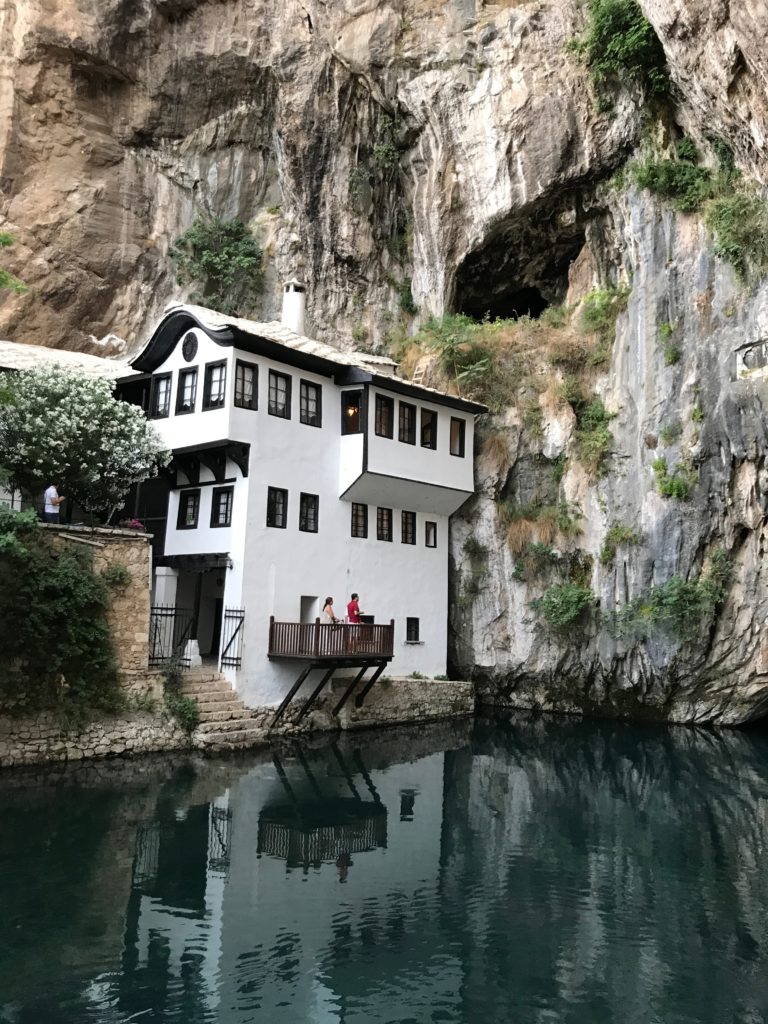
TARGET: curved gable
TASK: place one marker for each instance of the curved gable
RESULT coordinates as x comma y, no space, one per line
167,334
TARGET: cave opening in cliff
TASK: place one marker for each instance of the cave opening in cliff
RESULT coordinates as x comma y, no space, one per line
521,268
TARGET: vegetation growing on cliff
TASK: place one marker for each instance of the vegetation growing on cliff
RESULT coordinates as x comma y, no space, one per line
8,281
734,211
619,534
677,606
224,263
57,652
562,605
676,483
620,46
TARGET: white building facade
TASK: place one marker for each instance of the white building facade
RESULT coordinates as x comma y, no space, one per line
299,472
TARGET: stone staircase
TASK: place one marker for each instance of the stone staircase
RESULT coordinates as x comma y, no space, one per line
225,722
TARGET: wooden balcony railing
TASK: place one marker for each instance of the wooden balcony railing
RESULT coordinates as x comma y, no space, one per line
317,640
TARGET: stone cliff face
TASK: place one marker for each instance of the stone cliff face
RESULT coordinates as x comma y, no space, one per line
455,147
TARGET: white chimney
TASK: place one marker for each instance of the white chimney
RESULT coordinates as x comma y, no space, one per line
294,304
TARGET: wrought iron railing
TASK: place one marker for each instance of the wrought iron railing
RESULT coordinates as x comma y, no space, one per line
318,640
232,638
169,629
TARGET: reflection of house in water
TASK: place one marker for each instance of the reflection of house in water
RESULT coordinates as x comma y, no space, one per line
268,903
310,828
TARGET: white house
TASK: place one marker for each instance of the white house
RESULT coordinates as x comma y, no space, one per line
299,472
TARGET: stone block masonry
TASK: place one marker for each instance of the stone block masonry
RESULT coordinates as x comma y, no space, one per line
40,740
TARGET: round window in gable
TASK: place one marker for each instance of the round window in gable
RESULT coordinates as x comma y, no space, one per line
189,346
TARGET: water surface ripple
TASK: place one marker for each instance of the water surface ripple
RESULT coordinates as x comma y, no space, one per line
530,871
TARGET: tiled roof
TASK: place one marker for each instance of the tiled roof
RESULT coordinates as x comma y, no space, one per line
15,356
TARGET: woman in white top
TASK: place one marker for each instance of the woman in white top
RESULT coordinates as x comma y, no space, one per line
328,613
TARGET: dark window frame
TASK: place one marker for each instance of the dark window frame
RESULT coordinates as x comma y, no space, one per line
432,444
389,403
462,437
272,493
215,495
303,413
360,412
411,438
302,512
193,493
208,406
153,414
380,520
272,409
184,372
412,629
240,403
427,524
359,520
408,535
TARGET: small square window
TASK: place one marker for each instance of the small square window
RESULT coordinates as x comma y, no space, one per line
408,534
407,424
407,802
160,402
221,506
383,524
279,395
428,429
308,506
430,534
189,510
311,404
359,520
277,507
215,389
458,432
186,391
411,630
385,416
246,385
351,412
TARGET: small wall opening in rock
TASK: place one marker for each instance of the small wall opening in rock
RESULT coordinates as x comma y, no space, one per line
522,266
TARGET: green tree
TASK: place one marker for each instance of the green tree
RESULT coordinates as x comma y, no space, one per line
7,279
64,428
222,259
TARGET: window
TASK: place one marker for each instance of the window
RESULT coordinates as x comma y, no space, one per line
221,506
385,416
384,524
246,385
279,395
215,390
428,429
458,428
308,505
359,520
189,509
407,801
351,412
411,630
409,528
310,404
186,392
407,423
277,507
160,403
430,534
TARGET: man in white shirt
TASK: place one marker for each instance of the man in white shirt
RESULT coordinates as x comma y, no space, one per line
52,502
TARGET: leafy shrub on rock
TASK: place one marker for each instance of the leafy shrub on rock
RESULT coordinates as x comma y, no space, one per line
223,259
562,605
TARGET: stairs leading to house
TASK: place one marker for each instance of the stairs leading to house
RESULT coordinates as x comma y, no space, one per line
225,722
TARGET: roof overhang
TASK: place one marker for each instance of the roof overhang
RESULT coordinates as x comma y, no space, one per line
195,563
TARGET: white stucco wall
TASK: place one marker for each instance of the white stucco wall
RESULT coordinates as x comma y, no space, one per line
272,569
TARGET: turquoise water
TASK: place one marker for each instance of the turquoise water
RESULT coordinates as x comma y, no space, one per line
528,871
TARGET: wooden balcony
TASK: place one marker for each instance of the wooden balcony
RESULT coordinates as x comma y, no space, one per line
344,642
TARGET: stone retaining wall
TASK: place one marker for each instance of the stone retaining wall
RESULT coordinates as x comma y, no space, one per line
128,614
40,740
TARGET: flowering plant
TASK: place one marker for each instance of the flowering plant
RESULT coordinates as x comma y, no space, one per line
60,427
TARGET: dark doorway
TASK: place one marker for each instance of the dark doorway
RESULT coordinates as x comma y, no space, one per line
218,612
